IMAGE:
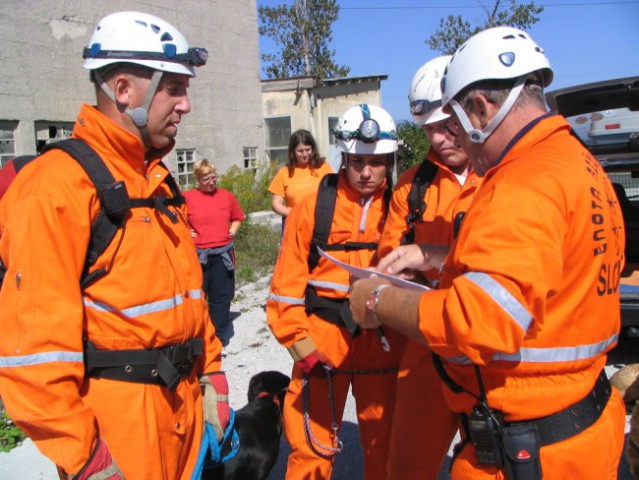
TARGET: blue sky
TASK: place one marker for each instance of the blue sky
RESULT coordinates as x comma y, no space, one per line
585,40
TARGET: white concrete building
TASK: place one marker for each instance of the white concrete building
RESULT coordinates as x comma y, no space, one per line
314,105
43,83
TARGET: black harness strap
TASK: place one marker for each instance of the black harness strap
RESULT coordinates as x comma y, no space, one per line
324,211
333,310
570,421
416,203
157,366
161,203
349,246
114,200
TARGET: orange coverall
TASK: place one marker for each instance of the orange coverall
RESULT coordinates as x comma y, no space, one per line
374,392
420,408
151,298
304,182
530,294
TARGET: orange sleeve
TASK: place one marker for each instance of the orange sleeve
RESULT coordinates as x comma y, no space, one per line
285,309
395,226
277,187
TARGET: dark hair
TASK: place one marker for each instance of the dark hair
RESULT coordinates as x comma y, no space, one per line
496,91
303,137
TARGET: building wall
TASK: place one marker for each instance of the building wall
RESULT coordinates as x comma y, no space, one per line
42,78
310,103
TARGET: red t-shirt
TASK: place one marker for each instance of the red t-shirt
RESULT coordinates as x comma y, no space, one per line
211,214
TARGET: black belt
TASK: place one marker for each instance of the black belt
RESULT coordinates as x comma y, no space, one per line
332,310
572,420
157,366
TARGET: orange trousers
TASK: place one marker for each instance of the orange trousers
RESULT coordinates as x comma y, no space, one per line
421,412
591,455
373,387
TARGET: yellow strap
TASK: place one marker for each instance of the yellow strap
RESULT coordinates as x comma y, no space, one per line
302,348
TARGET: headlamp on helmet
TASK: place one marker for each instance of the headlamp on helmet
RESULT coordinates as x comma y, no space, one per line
194,56
368,131
424,95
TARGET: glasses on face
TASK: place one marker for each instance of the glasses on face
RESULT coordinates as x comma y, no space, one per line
445,127
452,127
208,179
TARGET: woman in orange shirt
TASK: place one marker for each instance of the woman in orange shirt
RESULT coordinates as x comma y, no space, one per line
300,176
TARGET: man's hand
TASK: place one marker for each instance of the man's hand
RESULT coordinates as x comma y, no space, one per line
422,257
359,293
99,465
313,363
215,389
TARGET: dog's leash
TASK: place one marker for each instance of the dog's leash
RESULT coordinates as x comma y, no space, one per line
337,447
209,444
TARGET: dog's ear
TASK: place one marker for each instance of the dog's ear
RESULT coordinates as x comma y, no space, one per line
255,387
269,381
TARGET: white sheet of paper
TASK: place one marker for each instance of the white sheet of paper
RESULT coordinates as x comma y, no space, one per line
358,272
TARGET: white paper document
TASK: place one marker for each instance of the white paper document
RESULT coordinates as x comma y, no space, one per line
359,272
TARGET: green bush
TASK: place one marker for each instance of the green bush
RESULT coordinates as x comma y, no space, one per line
256,249
250,187
416,145
10,435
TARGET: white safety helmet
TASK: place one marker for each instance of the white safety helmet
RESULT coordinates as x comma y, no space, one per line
498,53
425,95
366,129
143,39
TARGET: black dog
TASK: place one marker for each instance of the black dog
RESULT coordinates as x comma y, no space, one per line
259,426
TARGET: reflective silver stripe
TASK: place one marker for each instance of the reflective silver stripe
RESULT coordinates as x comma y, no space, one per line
41,358
283,299
329,285
547,355
362,222
153,307
502,297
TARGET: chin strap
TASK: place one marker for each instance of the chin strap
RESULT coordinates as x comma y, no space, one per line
479,136
139,115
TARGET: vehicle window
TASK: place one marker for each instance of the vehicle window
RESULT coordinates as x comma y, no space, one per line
626,185
606,128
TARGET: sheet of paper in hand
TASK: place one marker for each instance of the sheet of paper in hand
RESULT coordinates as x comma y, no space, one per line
359,272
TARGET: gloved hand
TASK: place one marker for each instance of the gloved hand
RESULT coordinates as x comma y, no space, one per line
313,363
215,389
100,464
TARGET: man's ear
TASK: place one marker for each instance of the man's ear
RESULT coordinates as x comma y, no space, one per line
122,89
483,109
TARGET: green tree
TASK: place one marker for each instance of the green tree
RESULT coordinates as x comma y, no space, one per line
454,30
416,145
303,34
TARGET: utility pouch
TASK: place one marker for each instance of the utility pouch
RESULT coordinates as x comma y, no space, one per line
484,430
521,446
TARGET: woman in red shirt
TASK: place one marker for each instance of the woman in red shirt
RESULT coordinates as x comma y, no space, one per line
215,216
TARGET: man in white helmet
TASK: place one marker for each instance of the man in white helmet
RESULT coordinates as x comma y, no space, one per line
427,199
528,304
104,376
307,308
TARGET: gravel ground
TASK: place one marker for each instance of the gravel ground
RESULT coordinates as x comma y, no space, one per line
251,350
